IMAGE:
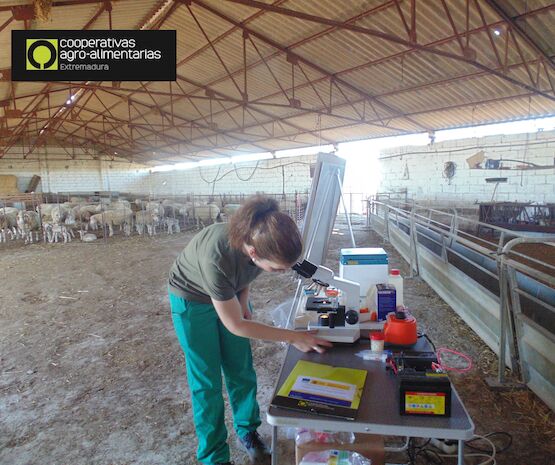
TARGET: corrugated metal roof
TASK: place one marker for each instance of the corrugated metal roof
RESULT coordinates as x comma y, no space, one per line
309,79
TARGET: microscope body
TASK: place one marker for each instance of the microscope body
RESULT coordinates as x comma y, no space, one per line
336,322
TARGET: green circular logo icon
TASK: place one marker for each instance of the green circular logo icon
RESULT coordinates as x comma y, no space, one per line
42,54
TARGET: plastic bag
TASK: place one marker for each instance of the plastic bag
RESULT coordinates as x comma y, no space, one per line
280,314
308,435
374,356
334,457
289,433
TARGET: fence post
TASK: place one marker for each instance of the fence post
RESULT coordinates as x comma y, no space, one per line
386,224
517,326
414,268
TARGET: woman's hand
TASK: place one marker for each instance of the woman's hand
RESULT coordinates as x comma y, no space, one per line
305,341
233,317
247,315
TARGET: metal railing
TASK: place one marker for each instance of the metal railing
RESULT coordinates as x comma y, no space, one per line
441,246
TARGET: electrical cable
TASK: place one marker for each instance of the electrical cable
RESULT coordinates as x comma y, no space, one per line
428,451
432,456
414,451
209,182
424,335
441,365
489,435
234,170
445,367
489,455
248,177
462,149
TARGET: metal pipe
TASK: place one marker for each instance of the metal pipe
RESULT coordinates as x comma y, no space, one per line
347,216
503,310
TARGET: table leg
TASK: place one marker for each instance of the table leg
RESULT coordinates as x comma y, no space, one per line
460,460
274,445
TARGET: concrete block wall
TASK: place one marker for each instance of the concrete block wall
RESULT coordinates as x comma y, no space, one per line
273,176
84,174
60,174
426,182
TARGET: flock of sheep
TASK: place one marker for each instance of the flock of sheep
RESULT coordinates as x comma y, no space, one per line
57,222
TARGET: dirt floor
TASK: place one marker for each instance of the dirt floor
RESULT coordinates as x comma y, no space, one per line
91,372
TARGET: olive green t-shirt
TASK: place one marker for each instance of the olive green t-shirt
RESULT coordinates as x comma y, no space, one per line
208,267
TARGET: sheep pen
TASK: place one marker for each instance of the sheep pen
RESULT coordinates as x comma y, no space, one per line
91,371
63,217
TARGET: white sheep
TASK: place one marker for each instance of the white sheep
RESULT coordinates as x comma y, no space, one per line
148,218
6,233
172,209
46,210
27,223
123,217
8,215
117,204
204,214
54,232
230,208
156,207
62,214
84,212
172,225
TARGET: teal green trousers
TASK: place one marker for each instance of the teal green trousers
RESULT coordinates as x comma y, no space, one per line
211,349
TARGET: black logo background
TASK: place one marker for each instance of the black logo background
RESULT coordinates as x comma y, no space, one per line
163,69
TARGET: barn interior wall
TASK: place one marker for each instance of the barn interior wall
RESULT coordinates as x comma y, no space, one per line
273,176
420,170
60,174
83,174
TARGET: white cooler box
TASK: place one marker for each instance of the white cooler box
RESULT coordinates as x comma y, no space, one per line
366,266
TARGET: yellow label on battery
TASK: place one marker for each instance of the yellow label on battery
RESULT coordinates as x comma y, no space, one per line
427,403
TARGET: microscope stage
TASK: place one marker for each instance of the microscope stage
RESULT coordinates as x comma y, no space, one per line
337,334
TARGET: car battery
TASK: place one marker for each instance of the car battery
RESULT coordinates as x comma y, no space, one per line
424,393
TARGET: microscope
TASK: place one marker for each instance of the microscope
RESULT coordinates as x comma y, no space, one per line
336,323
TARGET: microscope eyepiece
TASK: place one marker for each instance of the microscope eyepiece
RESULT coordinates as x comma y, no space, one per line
305,268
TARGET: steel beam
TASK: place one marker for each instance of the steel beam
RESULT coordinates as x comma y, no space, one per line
415,113
297,57
213,47
45,89
499,10
54,4
490,38
380,60
385,36
6,23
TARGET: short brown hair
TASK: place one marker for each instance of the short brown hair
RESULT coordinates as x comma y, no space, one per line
272,233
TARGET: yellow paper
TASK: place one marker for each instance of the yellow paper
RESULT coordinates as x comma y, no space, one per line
336,379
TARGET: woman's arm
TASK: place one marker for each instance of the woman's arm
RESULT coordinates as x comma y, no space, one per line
244,301
230,313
